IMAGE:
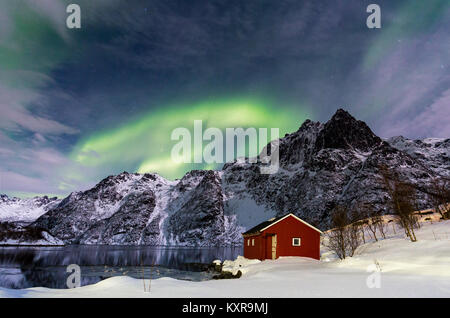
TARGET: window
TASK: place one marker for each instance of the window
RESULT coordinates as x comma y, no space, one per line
253,242
296,241
248,242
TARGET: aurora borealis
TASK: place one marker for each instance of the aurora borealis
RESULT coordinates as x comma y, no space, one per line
78,105
100,150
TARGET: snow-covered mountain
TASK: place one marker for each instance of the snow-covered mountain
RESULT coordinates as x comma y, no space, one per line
24,210
321,165
432,152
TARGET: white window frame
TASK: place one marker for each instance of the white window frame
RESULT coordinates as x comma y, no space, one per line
253,242
299,241
248,242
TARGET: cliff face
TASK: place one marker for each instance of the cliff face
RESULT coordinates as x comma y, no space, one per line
321,165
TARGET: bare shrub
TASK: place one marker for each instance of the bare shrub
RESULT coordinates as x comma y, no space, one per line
440,196
402,200
367,212
381,226
344,236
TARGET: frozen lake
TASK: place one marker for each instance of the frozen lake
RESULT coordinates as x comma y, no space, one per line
23,267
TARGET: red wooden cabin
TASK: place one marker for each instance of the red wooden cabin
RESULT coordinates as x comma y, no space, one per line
287,235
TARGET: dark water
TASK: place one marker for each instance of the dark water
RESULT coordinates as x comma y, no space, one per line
23,267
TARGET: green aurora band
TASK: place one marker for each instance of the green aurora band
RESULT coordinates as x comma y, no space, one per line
144,144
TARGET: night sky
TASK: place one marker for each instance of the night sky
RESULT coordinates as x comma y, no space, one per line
80,104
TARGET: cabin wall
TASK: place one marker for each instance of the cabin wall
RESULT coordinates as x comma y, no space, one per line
253,251
288,229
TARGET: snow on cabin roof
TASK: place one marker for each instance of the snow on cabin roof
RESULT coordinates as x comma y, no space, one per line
266,224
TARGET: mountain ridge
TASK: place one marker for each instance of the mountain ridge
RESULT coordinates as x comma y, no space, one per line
321,165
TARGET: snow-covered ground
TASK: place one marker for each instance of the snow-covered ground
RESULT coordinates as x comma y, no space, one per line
405,269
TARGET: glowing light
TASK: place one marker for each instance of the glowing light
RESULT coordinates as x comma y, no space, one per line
143,144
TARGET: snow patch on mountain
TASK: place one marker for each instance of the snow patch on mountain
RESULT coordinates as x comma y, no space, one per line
24,210
432,152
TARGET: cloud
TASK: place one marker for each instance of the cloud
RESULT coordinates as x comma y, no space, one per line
432,121
410,83
30,48
54,11
17,183
17,117
38,169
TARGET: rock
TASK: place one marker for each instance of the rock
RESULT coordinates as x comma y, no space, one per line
217,265
227,275
201,218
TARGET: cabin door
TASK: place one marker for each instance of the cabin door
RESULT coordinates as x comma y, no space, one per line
274,246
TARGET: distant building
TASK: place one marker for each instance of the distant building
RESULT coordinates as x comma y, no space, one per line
287,235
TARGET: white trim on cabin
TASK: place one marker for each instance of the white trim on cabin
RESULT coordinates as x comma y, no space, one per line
296,217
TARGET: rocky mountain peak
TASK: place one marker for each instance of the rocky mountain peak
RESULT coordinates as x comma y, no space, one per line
299,146
343,131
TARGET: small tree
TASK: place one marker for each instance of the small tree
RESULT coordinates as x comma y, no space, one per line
440,196
337,235
362,228
344,237
381,226
403,201
376,219
367,211
354,238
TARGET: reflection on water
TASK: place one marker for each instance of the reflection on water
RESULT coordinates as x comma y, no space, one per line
23,267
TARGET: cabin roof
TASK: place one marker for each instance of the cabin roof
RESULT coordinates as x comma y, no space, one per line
258,228
266,224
